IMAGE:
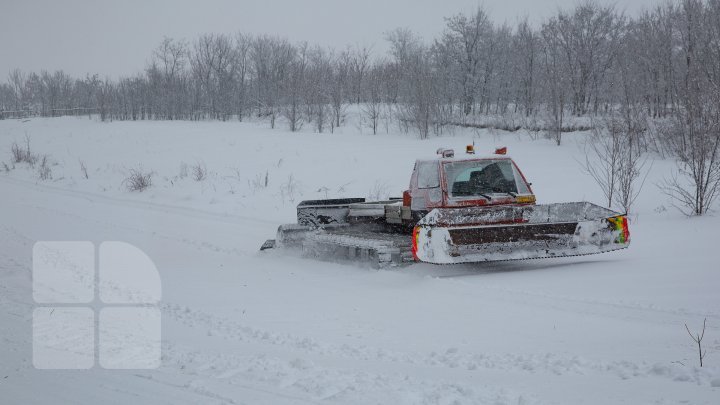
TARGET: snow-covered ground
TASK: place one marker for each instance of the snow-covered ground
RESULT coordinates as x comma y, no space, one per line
242,326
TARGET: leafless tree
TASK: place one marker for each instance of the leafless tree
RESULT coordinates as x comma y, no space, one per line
166,75
242,61
317,88
373,108
271,59
555,80
588,37
693,135
294,87
416,89
465,40
359,65
17,81
603,155
526,45
697,338
338,84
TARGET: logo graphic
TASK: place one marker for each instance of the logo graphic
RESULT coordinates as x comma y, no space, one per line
110,314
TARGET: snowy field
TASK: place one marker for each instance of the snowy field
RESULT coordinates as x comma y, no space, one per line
241,326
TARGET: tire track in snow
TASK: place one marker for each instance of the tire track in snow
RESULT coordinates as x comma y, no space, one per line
452,358
297,378
590,304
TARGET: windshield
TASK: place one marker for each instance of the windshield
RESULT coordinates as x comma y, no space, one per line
475,178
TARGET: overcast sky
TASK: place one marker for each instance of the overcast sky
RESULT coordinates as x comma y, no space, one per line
116,37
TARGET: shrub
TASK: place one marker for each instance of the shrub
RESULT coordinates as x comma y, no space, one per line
138,180
20,154
44,172
199,172
83,169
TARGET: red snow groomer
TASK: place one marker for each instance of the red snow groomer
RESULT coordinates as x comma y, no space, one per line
457,210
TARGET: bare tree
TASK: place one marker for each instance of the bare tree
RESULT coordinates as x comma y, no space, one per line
693,135
242,55
603,155
294,88
633,165
318,90
372,108
555,79
588,37
526,46
417,96
338,86
359,64
271,58
697,338
166,76
17,80
466,38
614,159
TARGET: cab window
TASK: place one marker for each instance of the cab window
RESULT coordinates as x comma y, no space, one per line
472,178
428,175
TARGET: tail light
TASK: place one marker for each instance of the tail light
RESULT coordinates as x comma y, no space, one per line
621,224
415,240
406,198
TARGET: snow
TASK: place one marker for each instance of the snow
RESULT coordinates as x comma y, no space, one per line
242,326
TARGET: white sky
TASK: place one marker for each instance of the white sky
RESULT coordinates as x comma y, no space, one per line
116,37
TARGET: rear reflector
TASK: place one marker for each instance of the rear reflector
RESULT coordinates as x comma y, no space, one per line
414,247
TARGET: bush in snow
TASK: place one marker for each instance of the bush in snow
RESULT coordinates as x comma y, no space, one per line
23,154
614,157
260,181
83,169
138,180
199,172
44,172
18,154
289,189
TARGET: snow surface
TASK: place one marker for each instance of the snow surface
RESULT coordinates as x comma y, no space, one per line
242,326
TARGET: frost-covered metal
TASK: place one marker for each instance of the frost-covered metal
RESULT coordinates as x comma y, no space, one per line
462,235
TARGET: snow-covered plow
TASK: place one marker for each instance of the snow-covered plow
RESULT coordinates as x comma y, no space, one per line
463,235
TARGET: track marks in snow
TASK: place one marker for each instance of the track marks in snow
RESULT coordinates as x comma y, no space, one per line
633,311
451,358
305,381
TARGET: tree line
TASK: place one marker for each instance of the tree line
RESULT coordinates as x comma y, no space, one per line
582,61
648,82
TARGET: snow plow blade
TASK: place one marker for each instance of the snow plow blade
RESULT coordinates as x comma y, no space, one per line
466,235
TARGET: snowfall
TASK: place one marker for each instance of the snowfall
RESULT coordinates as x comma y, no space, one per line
240,326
